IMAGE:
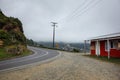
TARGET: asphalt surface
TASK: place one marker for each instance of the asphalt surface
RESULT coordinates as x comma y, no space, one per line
39,55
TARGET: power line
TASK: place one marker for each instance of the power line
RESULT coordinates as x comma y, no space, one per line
74,21
83,10
87,8
75,10
78,16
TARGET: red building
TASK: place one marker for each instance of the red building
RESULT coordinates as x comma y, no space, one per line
106,45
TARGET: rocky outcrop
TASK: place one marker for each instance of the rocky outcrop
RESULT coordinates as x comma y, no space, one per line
11,32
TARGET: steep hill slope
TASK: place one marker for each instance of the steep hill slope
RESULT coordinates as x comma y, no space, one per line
12,37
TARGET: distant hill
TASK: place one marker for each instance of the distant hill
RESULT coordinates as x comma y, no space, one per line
61,45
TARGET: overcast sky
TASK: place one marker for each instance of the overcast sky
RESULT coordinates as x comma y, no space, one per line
77,19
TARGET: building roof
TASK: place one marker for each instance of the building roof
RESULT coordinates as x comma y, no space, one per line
108,36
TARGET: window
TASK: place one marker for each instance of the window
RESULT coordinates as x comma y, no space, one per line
114,44
119,44
111,44
106,46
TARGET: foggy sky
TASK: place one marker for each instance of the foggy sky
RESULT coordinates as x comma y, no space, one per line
77,19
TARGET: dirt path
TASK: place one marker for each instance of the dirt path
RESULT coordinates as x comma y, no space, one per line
67,67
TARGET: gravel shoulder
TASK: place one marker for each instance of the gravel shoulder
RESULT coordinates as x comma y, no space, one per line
69,66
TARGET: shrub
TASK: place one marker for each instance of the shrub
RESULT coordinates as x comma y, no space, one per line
15,49
75,50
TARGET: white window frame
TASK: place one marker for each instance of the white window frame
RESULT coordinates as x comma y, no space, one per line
118,44
106,46
115,44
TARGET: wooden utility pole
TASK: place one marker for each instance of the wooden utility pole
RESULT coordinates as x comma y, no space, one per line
54,25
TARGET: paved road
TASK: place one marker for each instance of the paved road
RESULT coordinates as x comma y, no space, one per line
69,66
40,55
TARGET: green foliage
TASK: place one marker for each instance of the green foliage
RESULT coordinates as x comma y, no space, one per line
12,37
17,37
75,50
30,42
4,55
16,22
11,31
5,37
4,20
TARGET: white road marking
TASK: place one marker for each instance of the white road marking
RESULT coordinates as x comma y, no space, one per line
31,64
26,59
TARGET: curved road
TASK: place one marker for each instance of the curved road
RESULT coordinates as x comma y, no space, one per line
39,55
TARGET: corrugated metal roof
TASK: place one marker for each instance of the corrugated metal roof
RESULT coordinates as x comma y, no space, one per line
108,36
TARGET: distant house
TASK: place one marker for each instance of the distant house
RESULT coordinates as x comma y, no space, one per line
106,45
68,47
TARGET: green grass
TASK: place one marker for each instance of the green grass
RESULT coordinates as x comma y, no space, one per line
4,55
104,58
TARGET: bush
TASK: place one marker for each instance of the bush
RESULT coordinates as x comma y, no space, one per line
5,37
75,50
3,34
15,49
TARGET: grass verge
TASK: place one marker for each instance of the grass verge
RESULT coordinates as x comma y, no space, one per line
5,56
104,58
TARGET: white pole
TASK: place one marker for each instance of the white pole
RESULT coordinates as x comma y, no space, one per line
97,48
108,45
85,46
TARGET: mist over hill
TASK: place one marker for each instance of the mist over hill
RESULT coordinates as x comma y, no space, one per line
62,45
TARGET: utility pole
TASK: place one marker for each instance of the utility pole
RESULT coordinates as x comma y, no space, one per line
54,25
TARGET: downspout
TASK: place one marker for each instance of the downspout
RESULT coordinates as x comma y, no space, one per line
97,51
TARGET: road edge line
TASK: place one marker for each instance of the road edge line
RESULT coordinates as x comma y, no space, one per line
31,65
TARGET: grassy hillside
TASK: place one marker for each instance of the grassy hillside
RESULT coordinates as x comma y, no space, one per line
11,31
12,38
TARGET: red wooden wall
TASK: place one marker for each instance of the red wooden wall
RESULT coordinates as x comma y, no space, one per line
103,52
92,51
